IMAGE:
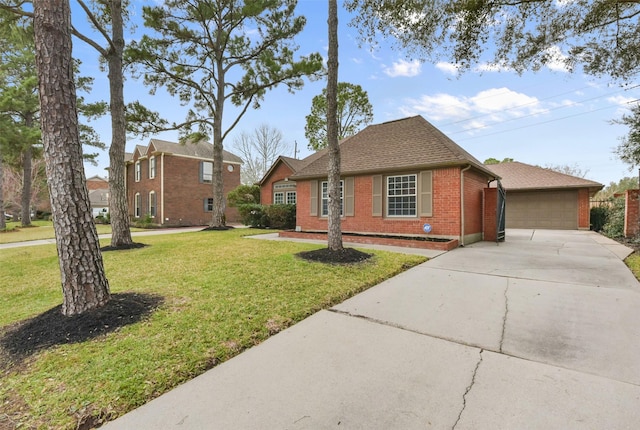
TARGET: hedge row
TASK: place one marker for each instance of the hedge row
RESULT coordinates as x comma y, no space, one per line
268,216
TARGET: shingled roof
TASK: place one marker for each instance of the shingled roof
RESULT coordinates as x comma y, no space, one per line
293,163
200,149
521,176
409,143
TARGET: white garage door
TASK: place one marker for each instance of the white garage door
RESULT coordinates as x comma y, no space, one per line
542,209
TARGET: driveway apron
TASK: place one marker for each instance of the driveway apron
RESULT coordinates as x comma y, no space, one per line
541,331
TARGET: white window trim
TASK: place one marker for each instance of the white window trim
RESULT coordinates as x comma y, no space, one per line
152,167
206,181
137,202
324,184
414,195
155,208
206,204
275,195
138,171
295,197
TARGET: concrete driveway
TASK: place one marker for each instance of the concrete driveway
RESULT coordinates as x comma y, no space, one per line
539,332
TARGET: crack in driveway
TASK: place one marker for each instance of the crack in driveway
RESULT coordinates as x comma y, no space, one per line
464,396
506,313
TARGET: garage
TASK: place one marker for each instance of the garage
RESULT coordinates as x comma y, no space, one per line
542,209
543,198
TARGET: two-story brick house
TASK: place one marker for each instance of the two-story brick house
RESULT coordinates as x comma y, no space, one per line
172,182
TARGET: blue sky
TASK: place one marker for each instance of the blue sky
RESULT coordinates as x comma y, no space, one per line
548,117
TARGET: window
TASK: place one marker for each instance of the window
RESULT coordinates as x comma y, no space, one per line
208,205
137,205
206,172
402,195
152,167
278,198
291,197
325,198
152,203
138,171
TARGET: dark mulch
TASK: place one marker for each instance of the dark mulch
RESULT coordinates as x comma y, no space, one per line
344,256
223,228
123,247
22,339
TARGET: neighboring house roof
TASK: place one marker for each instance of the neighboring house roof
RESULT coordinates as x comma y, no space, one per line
200,149
521,176
409,143
128,156
293,163
99,198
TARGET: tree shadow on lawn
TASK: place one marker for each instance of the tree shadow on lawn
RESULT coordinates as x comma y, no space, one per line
20,340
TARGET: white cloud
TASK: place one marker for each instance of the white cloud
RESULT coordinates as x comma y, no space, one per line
447,68
478,111
556,60
404,68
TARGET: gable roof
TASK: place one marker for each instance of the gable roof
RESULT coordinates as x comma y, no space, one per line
200,149
409,143
293,163
521,176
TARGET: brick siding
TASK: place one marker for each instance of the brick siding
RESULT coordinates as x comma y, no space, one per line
281,172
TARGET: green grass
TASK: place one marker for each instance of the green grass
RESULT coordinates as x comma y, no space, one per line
222,294
39,230
633,262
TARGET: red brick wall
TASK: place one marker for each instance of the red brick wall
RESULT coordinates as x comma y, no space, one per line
490,214
584,209
630,213
281,172
183,193
446,208
474,184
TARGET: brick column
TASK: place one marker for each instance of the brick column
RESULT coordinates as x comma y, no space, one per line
631,213
490,214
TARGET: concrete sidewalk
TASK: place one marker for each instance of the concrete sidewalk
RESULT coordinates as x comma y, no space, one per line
540,332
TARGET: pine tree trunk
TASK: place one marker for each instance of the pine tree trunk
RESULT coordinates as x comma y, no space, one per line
335,205
118,211
3,222
84,284
217,218
25,203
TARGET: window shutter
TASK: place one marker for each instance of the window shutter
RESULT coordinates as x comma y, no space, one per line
201,176
349,196
314,198
377,196
426,193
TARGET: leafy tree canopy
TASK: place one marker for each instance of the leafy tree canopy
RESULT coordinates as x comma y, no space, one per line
354,112
600,35
496,161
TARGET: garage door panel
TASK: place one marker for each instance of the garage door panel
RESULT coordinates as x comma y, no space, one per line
542,209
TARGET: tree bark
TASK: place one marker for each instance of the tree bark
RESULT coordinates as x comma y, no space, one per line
3,222
118,211
217,217
84,284
334,234
25,202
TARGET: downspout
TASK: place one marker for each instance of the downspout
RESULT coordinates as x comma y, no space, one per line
162,188
462,204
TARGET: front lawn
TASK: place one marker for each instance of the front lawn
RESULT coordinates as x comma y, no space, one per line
219,293
40,230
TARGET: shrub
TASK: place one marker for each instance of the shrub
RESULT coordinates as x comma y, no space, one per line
253,215
281,216
145,222
614,227
599,216
243,195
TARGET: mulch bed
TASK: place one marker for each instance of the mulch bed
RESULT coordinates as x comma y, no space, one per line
223,228
122,247
20,340
344,256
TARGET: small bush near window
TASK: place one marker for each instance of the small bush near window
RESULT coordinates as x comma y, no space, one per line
145,222
599,216
281,216
243,195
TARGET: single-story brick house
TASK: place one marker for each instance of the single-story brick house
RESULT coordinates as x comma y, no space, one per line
172,182
396,177
542,198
